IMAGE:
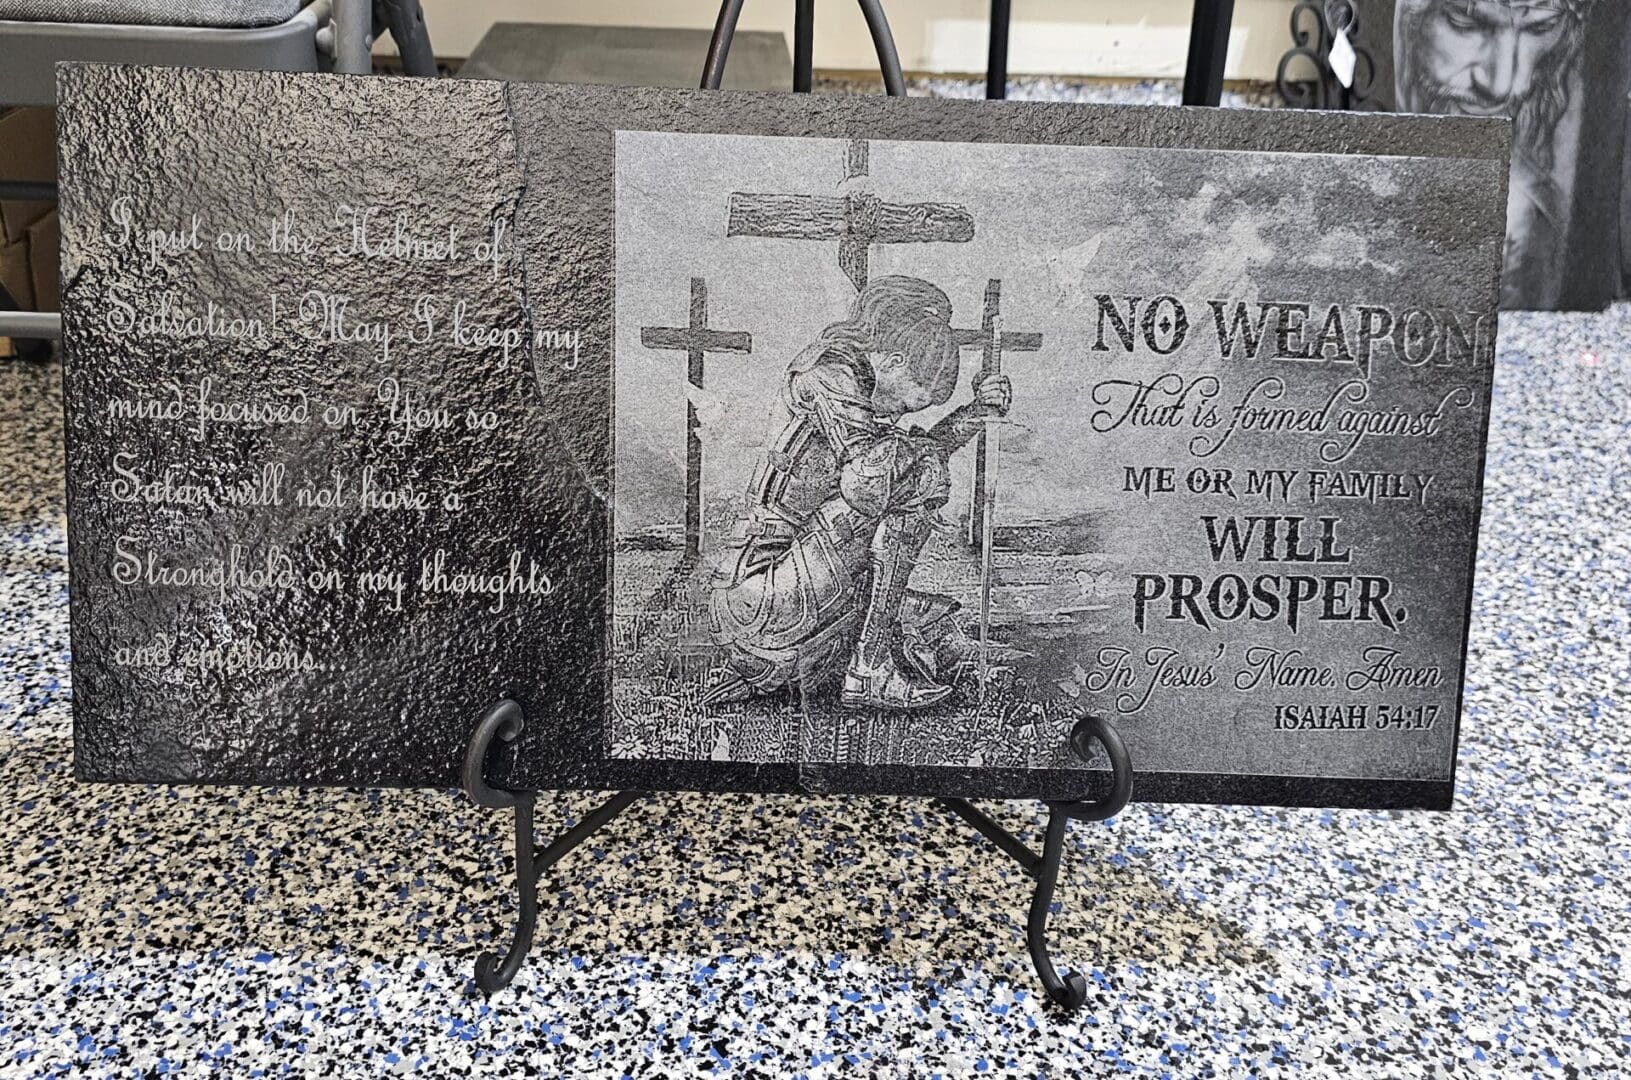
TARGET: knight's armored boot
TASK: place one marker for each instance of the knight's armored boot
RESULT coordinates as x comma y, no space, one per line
877,677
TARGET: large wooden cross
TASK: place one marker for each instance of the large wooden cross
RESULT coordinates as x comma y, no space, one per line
993,341
856,219
695,340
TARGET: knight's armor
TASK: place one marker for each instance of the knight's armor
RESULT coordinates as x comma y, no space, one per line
835,517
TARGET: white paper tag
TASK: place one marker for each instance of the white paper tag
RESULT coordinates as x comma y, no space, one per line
1343,58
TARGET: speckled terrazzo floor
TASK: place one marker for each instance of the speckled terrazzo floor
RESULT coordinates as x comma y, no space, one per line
1047,88
149,930
146,931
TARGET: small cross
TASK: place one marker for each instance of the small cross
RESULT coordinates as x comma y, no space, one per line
696,340
856,219
993,342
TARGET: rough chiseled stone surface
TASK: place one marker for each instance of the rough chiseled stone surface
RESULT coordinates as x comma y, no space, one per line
149,930
432,151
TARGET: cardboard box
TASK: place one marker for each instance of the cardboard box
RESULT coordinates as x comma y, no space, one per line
29,231
28,151
17,274
44,236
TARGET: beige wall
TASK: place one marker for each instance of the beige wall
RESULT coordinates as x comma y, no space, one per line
1070,37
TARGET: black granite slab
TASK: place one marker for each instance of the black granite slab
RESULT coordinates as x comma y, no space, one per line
392,695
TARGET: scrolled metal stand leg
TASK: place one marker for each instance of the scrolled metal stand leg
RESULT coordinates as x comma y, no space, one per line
492,974
1070,991
503,723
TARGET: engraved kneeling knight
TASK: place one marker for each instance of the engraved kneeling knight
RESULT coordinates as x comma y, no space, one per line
814,587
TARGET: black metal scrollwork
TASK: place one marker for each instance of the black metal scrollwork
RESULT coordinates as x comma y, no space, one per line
1070,990
502,723
1314,26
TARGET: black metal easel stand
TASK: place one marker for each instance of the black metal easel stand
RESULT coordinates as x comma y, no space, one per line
504,721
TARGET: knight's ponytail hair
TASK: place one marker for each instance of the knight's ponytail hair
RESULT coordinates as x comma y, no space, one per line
896,314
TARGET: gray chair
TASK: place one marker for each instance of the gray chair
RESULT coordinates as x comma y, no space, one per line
250,35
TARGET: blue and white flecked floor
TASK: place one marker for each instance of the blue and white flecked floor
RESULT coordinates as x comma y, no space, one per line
149,931
262,932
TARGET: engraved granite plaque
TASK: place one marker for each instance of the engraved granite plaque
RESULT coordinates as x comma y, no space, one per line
770,442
